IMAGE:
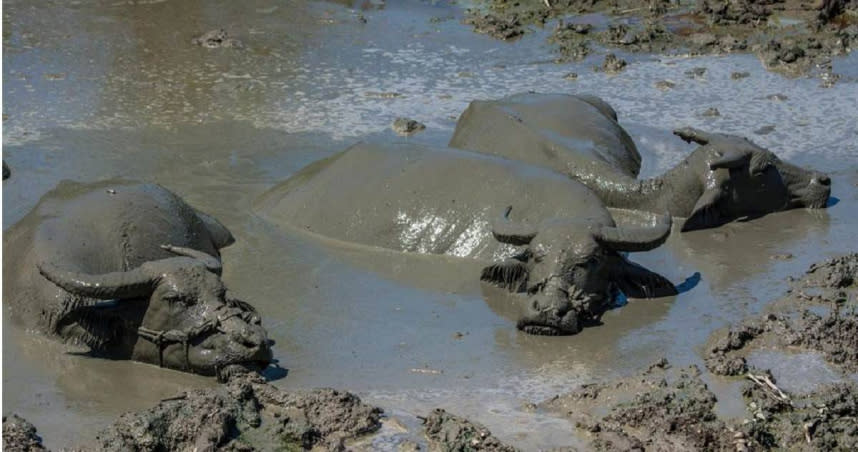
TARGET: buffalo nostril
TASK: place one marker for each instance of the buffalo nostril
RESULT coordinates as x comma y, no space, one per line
823,180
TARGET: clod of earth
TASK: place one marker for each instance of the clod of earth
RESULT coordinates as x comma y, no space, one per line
407,127
711,112
19,435
244,415
448,432
612,64
214,39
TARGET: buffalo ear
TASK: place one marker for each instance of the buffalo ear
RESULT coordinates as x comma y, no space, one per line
510,274
705,213
96,325
638,282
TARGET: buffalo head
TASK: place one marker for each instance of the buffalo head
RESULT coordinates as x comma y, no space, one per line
756,181
570,271
172,312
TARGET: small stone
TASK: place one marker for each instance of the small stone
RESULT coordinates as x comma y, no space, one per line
711,112
777,97
696,72
571,76
782,257
665,85
765,130
612,64
739,75
406,127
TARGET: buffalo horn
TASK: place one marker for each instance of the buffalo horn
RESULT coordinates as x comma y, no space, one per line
212,263
636,238
128,284
515,233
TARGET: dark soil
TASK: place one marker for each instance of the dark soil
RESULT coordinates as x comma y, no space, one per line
20,435
447,432
824,29
830,284
244,415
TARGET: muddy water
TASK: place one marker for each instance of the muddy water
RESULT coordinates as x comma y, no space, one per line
95,89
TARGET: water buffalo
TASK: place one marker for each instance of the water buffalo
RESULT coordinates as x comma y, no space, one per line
546,234
132,272
726,178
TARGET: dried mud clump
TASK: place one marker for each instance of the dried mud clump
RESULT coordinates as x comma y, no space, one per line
20,436
214,39
498,27
661,409
448,432
822,420
244,415
612,64
652,37
728,12
407,127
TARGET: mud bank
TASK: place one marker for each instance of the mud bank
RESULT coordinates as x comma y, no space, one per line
671,409
818,314
19,435
791,37
245,414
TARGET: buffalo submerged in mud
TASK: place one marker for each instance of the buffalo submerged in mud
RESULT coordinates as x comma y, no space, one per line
132,272
726,178
547,235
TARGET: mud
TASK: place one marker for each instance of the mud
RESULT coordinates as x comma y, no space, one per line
214,39
407,127
663,408
790,322
669,409
788,36
244,415
20,436
821,420
612,64
448,432
220,127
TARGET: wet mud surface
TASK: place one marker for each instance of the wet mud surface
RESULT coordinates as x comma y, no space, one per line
671,409
817,314
98,89
789,36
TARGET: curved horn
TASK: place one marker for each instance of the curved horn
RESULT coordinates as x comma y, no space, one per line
636,238
506,231
129,284
212,263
